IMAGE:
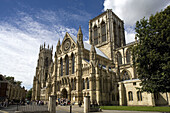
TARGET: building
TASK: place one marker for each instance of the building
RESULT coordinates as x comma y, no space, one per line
10,91
101,69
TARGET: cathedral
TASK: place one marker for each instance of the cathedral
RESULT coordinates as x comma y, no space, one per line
102,69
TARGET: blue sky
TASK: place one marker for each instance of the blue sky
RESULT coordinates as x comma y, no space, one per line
25,24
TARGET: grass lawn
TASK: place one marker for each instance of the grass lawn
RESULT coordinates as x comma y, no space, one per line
136,108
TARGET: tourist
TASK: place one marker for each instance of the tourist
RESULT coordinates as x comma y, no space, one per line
80,103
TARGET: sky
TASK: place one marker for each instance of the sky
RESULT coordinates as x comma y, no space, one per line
26,24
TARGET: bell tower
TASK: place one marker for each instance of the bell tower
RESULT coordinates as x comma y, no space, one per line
106,32
43,63
45,59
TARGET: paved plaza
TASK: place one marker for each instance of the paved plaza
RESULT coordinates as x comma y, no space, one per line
77,109
64,109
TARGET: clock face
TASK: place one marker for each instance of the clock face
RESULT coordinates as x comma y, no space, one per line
66,44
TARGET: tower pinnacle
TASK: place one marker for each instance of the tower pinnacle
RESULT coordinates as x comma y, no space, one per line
92,50
79,31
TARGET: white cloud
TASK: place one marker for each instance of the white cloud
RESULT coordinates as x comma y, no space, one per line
20,38
130,36
133,10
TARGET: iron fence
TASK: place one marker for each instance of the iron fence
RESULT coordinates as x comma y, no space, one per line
32,107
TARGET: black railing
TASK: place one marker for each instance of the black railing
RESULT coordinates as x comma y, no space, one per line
33,106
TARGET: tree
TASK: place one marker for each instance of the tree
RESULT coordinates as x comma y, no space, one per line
152,53
29,94
18,83
11,79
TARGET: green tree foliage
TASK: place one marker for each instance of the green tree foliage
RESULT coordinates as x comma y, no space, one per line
152,53
11,79
29,94
18,83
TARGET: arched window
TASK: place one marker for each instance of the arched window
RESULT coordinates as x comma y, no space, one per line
130,94
87,83
58,86
62,82
117,96
103,29
72,84
125,75
119,37
128,56
119,58
139,96
83,84
46,62
111,87
73,62
113,97
61,65
115,34
95,35
67,65
46,75
66,81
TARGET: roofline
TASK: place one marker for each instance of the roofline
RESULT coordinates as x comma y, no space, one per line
98,16
105,13
127,45
98,54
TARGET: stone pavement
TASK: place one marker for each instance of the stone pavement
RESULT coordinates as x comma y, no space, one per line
9,109
77,109
13,108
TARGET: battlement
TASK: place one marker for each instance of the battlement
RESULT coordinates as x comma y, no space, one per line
48,48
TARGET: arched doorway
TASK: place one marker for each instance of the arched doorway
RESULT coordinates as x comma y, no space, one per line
64,93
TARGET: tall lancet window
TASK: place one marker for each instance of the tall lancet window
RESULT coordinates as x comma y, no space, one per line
46,75
95,35
128,56
73,62
72,85
61,65
130,94
46,62
139,95
67,65
119,58
115,34
125,75
103,31
87,83
83,84
119,33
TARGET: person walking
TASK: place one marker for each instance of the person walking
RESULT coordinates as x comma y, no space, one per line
80,103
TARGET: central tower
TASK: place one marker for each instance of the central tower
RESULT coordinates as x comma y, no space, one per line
106,32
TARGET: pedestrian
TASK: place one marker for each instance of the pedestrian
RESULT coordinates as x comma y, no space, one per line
39,102
80,103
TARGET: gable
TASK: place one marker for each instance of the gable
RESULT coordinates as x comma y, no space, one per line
68,43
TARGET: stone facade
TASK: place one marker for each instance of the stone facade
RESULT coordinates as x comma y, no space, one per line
101,69
11,91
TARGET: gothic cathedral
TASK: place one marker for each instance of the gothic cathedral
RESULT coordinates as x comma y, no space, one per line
102,69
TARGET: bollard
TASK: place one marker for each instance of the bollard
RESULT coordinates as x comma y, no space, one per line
70,108
52,104
17,106
86,104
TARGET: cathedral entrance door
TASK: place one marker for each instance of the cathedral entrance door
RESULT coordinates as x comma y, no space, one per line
64,93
